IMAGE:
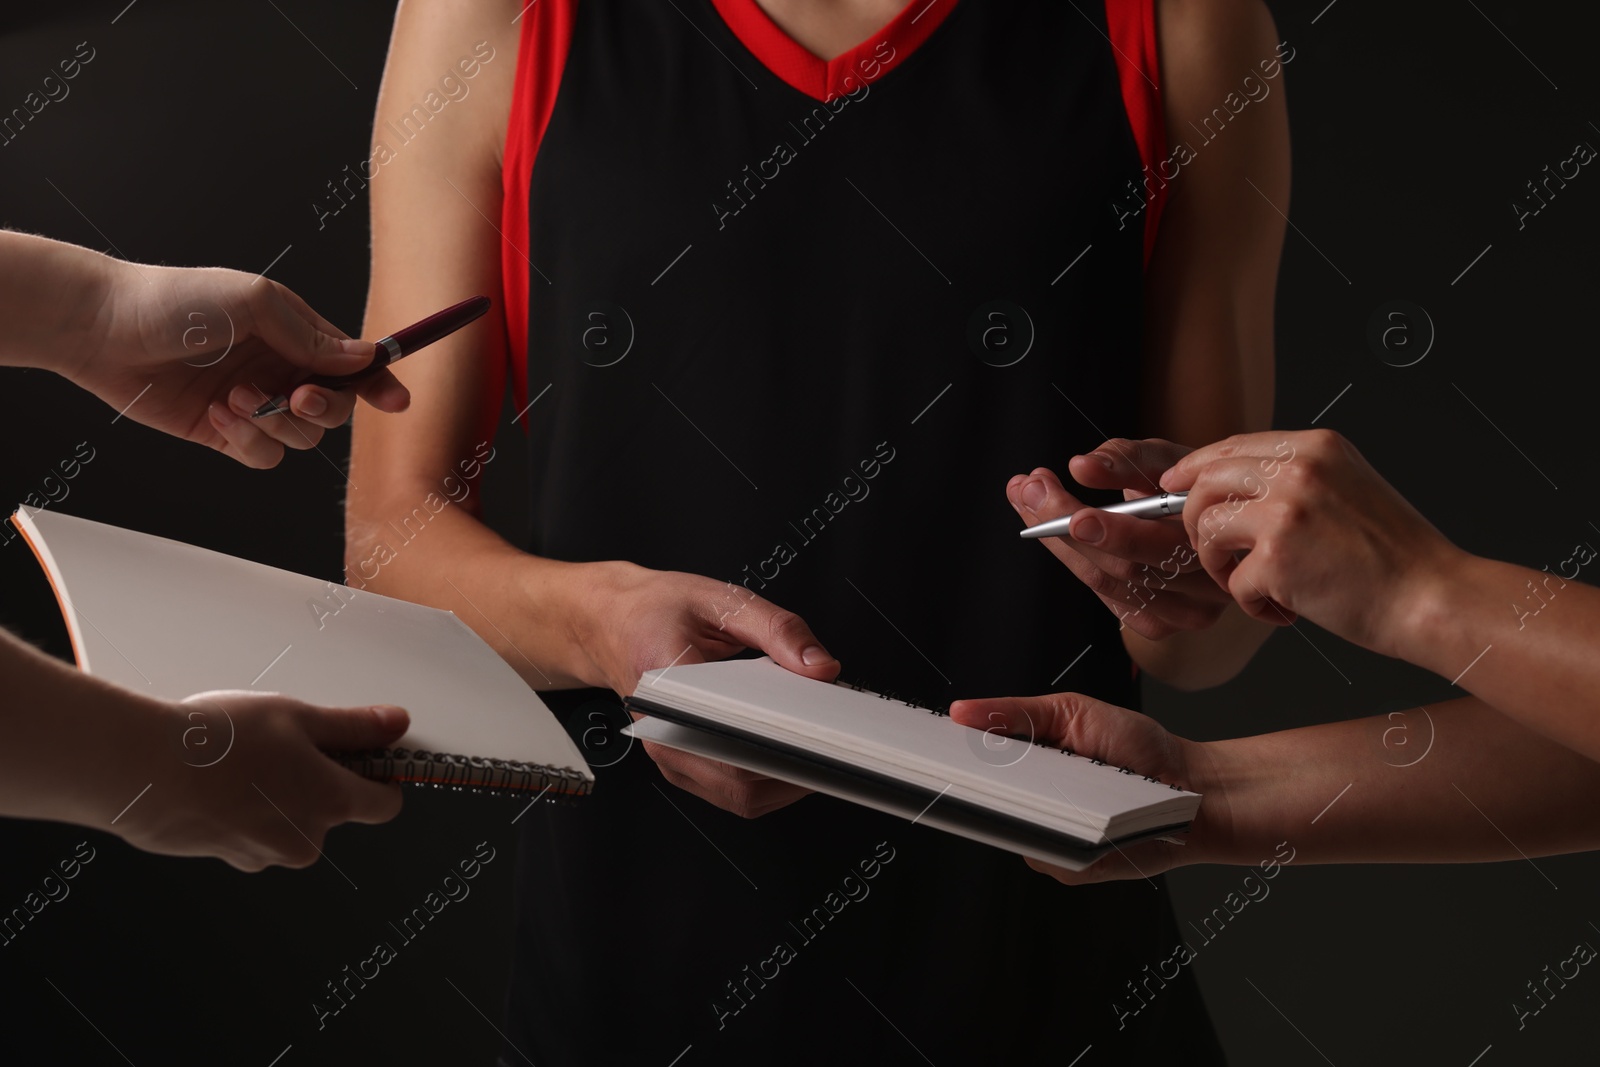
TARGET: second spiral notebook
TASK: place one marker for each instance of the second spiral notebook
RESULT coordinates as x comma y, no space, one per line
906,760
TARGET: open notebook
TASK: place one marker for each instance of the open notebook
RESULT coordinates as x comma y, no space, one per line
170,620
905,760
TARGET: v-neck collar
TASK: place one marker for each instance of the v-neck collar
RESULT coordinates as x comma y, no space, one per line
822,79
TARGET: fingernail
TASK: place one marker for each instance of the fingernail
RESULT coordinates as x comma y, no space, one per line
1104,460
222,415
389,715
1163,480
243,400
357,347
1086,528
1033,494
311,405
815,656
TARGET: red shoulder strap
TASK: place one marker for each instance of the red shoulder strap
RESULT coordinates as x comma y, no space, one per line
1131,25
545,38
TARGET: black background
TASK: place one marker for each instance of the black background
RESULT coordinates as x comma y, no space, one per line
202,134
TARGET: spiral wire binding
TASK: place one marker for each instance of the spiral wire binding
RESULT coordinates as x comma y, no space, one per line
944,709
472,774
910,702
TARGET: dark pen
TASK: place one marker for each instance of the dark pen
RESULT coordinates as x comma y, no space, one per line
396,346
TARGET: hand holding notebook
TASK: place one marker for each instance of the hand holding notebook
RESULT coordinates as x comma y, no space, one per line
635,618
168,620
1119,737
874,750
235,776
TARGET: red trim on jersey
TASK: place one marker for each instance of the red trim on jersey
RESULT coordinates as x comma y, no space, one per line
541,57
820,78
1131,25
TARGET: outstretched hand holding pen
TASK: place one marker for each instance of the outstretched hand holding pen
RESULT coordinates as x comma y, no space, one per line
189,351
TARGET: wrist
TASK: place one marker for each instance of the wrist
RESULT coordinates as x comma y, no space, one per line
110,750
1430,611
583,599
1226,775
107,292
54,298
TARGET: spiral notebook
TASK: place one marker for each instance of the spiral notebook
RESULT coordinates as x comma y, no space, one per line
907,760
170,620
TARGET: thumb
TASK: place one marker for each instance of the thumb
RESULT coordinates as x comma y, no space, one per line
1040,496
1074,722
1001,715
784,636
304,339
353,729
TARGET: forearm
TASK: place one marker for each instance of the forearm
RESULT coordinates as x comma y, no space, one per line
53,297
432,247
1199,659
69,754
1467,784
1523,641
456,562
1210,284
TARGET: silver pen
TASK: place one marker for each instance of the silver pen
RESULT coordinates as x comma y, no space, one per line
1148,507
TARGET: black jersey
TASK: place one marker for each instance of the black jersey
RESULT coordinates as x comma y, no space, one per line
792,325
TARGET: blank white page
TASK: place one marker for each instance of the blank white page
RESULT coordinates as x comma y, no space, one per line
171,620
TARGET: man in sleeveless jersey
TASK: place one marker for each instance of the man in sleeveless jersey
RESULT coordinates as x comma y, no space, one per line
778,275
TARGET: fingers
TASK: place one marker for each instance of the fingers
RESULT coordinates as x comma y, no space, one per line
1254,601
1101,731
371,802
1144,570
1124,464
1152,542
280,793
385,392
327,408
744,793
331,408
1064,720
999,715
243,439
1271,448
1137,861
358,799
1219,517
1046,719
783,635
304,340
1109,540
1080,724
1040,497
287,428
